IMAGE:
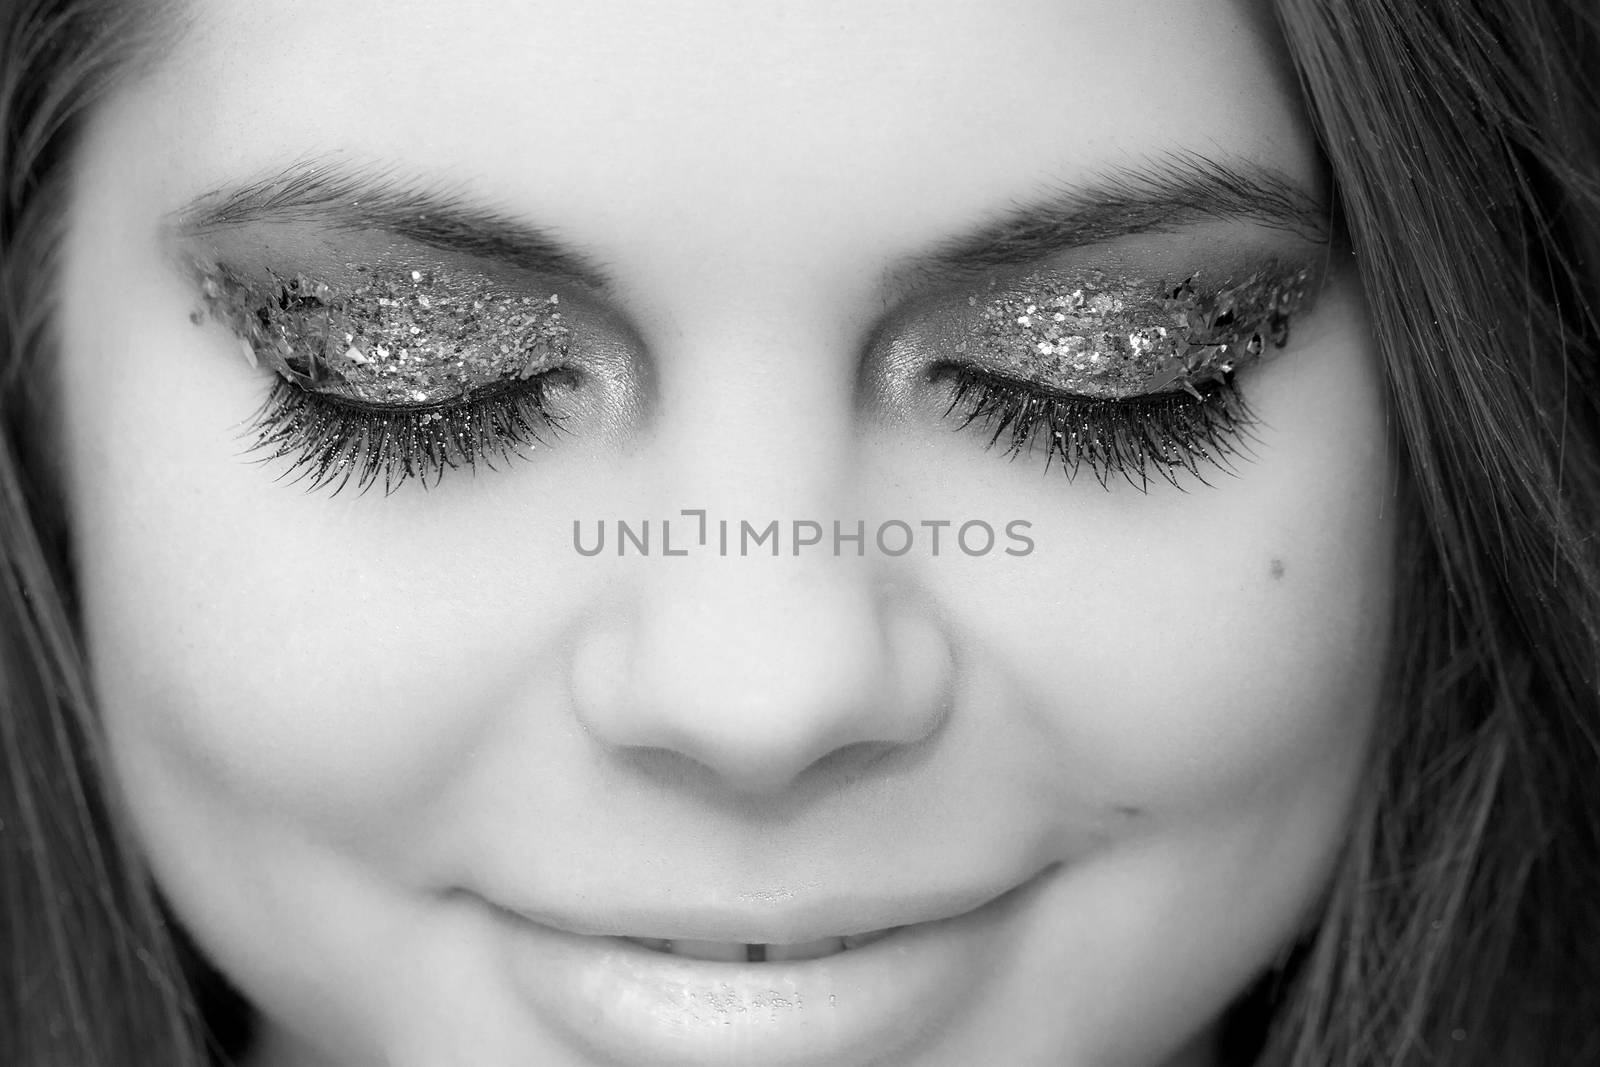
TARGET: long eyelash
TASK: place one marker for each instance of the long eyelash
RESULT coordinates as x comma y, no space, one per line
334,443
1158,434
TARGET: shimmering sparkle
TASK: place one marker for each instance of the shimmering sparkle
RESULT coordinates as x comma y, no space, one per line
398,336
1113,337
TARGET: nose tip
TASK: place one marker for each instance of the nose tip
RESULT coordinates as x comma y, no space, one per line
756,687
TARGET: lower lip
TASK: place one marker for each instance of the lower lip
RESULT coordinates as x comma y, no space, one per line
620,1002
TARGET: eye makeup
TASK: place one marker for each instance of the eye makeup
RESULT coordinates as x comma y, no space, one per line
391,372
1115,336
398,336
1118,374
401,374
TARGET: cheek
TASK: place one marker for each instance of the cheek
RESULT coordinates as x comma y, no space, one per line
276,657
335,658
1212,666
1204,653
1199,669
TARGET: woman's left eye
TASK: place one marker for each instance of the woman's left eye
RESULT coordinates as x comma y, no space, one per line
1160,434
398,375
1116,374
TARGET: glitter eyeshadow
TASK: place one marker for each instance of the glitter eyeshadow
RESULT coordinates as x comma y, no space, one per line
1112,337
394,337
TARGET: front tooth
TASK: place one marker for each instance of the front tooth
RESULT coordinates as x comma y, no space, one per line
726,951
806,950
654,944
860,940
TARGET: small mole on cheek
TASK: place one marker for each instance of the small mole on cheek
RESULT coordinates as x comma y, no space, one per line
1277,570
196,317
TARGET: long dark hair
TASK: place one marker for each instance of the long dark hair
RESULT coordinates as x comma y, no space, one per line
1464,139
88,975
1463,925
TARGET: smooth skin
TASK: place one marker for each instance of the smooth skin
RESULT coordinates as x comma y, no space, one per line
344,724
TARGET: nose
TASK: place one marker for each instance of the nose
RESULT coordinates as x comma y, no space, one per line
759,671
755,669
757,677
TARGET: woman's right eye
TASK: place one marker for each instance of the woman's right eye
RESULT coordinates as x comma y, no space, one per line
335,444
399,374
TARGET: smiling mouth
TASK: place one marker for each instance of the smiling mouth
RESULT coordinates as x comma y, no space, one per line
747,952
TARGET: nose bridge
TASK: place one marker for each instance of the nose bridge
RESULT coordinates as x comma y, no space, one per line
757,401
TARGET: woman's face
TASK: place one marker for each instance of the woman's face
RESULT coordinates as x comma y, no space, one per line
412,766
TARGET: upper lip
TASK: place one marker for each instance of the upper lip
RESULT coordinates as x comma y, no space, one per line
817,916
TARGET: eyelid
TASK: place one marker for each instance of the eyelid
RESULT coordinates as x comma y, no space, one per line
1115,336
392,336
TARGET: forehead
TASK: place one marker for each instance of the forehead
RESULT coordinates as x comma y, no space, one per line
701,120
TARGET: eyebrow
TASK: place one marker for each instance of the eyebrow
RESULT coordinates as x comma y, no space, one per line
336,197
1174,191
